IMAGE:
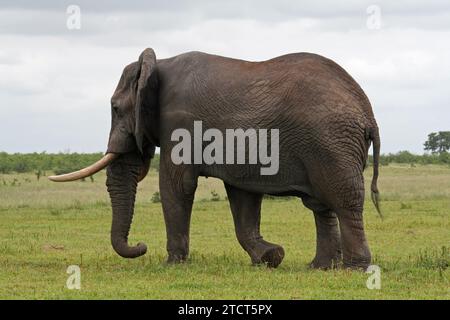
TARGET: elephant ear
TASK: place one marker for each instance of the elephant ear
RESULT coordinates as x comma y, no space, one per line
146,95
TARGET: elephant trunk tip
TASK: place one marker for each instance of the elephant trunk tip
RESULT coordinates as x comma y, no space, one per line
126,251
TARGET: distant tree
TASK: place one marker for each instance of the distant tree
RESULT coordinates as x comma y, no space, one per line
438,142
432,143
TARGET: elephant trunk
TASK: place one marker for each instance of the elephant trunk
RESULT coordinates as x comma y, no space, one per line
122,179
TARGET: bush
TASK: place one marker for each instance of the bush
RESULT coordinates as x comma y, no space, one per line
156,197
404,206
215,196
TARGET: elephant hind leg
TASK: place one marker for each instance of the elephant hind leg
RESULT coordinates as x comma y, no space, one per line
328,241
345,194
246,210
340,185
328,238
349,210
356,253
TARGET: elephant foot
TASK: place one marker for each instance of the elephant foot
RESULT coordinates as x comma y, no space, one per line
360,264
176,259
357,260
273,257
326,263
268,254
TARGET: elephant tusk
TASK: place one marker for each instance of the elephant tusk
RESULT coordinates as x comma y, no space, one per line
86,172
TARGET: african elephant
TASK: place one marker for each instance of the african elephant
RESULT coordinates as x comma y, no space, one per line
325,124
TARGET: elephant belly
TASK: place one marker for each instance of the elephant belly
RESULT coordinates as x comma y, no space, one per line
289,181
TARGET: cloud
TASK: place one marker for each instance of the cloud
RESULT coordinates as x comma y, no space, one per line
55,83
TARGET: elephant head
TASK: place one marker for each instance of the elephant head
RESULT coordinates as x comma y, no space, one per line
132,141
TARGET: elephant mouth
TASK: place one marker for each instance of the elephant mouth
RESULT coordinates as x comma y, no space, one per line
88,171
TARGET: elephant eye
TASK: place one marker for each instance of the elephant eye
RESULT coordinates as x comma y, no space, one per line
115,108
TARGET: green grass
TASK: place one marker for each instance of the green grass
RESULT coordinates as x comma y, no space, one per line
45,227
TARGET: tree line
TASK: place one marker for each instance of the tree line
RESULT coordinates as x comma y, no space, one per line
57,163
438,144
410,158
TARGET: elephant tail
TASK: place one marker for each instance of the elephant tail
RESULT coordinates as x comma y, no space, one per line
375,194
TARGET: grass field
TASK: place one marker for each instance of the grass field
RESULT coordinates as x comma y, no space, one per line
45,227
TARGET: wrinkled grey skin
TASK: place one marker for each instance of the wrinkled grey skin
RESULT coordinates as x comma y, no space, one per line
326,126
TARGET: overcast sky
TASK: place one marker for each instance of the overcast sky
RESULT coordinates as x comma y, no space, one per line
56,82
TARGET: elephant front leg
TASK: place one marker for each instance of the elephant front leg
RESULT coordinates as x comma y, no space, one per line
177,188
328,243
246,210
